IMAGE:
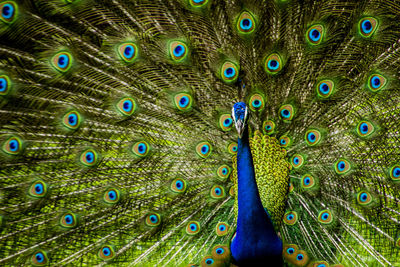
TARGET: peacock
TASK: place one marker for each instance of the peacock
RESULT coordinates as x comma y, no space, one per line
199,133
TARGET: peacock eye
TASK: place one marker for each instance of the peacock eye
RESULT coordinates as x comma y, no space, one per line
178,185
245,23
220,252
325,217
232,148
284,141
290,251
365,128
376,82
229,72
256,102
89,157
315,34
297,161
140,149
72,120
192,228
203,149
207,261
313,137
8,11
178,51
269,127
223,171
68,220
62,61
308,181
290,218
111,196
222,229
395,172
38,189
325,88
217,192
153,219
5,85
106,252
286,112
342,166
39,258
364,198
225,122
183,101
367,27
13,146
126,106
128,52
273,63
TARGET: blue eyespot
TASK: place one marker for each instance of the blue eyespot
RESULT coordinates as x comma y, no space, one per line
285,113
314,35
141,148
217,191
375,82
290,217
296,160
179,50
222,227
204,149
72,119
256,103
363,197
153,218
307,181
112,195
89,157
273,64
129,51
229,72
179,184
106,251
300,257
220,251
39,188
321,265
324,88
325,216
209,261
364,128
311,137
366,26
246,24
184,101
290,251
228,122
39,257
396,172
8,11
13,145
193,227
63,61
127,105
3,84
68,219
341,165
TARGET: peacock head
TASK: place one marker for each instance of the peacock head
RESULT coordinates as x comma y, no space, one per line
240,115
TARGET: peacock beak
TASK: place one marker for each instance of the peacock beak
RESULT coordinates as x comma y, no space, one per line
240,118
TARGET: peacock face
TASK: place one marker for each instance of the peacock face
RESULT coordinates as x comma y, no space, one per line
240,115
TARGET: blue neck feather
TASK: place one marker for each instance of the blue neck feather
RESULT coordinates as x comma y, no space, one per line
256,242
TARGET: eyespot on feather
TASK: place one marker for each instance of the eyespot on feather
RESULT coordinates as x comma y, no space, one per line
39,258
246,23
128,52
325,217
38,189
106,252
203,149
112,196
221,252
217,192
178,51
285,141
72,120
342,166
9,11
89,158
367,26
141,149
312,137
290,218
286,112
297,161
178,185
233,148
315,34
223,171
62,61
183,101
13,145
222,229
225,122
5,85
273,64
153,219
126,106
193,228
325,88
68,220
376,82
229,72
365,129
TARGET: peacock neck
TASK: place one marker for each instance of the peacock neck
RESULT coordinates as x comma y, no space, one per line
256,239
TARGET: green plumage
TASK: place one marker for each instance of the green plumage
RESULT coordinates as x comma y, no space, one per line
116,137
